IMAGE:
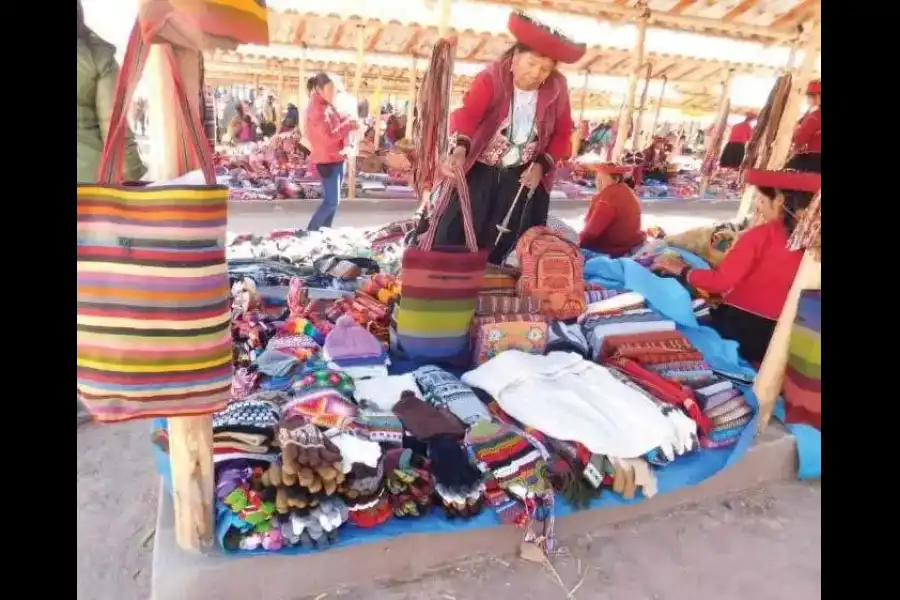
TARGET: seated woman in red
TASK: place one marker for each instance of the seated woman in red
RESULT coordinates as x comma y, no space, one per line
613,222
756,275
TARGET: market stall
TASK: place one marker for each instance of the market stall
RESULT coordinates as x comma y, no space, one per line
350,418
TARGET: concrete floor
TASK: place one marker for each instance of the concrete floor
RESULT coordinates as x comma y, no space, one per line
763,544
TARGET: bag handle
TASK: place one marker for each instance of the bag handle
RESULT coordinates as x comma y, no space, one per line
192,150
457,180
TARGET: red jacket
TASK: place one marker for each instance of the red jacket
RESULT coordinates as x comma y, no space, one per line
808,135
741,133
613,222
756,274
326,130
486,104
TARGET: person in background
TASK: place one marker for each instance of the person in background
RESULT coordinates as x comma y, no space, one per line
269,121
613,222
756,275
806,150
733,153
656,160
247,132
291,119
327,131
96,82
139,114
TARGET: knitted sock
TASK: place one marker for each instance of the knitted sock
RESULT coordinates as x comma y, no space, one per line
425,421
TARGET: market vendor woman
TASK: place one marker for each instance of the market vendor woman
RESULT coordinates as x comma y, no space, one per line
514,125
756,275
806,145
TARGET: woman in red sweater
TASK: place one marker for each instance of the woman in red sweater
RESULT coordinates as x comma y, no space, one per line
733,153
327,132
806,149
613,222
514,126
756,275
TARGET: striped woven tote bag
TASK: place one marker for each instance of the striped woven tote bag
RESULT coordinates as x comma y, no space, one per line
440,288
205,24
153,307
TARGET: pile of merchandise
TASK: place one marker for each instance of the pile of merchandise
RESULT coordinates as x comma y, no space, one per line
332,431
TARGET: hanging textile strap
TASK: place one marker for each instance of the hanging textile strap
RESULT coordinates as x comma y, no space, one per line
458,180
193,148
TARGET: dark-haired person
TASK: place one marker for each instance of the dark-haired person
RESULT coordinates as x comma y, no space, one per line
97,74
514,125
806,145
756,275
326,131
613,222
291,119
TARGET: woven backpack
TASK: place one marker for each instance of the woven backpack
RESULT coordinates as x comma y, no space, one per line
552,273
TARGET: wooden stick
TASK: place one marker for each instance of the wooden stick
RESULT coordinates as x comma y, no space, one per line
767,386
190,438
376,102
662,94
444,19
302,97
625,117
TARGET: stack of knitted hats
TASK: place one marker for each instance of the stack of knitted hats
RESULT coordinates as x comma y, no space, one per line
364,491
244,430
354,350
323,397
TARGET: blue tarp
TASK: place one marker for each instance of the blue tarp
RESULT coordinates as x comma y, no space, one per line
669,298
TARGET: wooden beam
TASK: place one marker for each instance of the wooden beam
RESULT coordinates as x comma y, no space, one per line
302,97
681,6
625,118
337,35
740,9
190,438
373,41
720,118
376,104
478,48
444,19
299,34
797,14
410,45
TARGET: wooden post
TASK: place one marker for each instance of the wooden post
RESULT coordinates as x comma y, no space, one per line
625,117
279,93
781,146
410,110
376,104
770,378
190,438
662,94
720,112
576,134
444,19
302,98
357,86
639,120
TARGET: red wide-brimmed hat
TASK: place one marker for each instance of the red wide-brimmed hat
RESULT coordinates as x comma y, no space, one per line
814,87
751,114
543,39
786,180
597,164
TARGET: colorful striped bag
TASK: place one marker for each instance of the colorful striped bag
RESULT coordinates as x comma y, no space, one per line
440,287
205,24
153,309
802,387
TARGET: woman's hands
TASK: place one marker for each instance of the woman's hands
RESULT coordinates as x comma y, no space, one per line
532,176
668,264
456,161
